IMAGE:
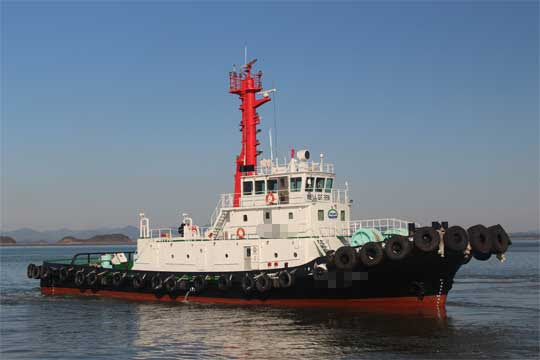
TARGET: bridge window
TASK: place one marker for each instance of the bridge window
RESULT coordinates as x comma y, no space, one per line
272,185
329,183
319,185
296,184
248,187
320,215
309,183
259,187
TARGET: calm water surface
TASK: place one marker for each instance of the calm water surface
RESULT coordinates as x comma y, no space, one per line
492,312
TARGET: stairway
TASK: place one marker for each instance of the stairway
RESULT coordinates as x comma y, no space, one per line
220,223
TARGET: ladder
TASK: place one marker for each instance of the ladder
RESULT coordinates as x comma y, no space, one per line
321,244
220,223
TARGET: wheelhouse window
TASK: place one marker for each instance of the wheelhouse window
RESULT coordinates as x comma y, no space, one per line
296,184
309,183
320,215
259,187
329,183
319,185
272,185
247,187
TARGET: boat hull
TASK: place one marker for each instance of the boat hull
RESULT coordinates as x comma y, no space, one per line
422,281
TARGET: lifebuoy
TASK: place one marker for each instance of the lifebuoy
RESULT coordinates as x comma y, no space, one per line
270,198
241,233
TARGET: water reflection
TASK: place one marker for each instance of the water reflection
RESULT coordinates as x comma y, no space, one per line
270,332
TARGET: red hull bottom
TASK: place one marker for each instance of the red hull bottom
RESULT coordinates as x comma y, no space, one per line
427,305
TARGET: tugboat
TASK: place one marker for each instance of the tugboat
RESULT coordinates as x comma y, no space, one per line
284,237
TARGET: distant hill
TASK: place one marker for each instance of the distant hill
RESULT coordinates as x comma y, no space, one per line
27,235
6,240
112,239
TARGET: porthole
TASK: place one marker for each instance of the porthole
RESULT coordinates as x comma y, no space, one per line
226,255
275,255
295,255
187,256
245,218
201,250
172,256
171,244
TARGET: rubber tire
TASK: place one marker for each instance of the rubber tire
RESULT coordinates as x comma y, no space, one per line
170,284
45,272
263,283
138,281
426,239
480,256
286,279
397,247
499,239
199,284
371,254
37,272
456,239
118,278
104,279
345,258
91,278
182,284
224,282
320,273
30,270
330,259
479,240
80,278
156,282
63,274
248,284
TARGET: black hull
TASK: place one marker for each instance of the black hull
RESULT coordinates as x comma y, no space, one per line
422,279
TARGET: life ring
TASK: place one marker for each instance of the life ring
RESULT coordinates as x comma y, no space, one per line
194,228
241,233
270,198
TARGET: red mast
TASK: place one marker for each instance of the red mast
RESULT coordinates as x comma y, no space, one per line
246,86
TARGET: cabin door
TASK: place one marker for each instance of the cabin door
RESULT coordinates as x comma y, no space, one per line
250,257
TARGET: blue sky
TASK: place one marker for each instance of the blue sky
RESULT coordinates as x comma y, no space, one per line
428,109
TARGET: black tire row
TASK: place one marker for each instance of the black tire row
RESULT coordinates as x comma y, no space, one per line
157,282
483,242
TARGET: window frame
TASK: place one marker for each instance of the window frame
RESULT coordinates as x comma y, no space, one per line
317,188
244,183
260,192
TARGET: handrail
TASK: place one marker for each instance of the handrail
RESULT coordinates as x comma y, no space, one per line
130,255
